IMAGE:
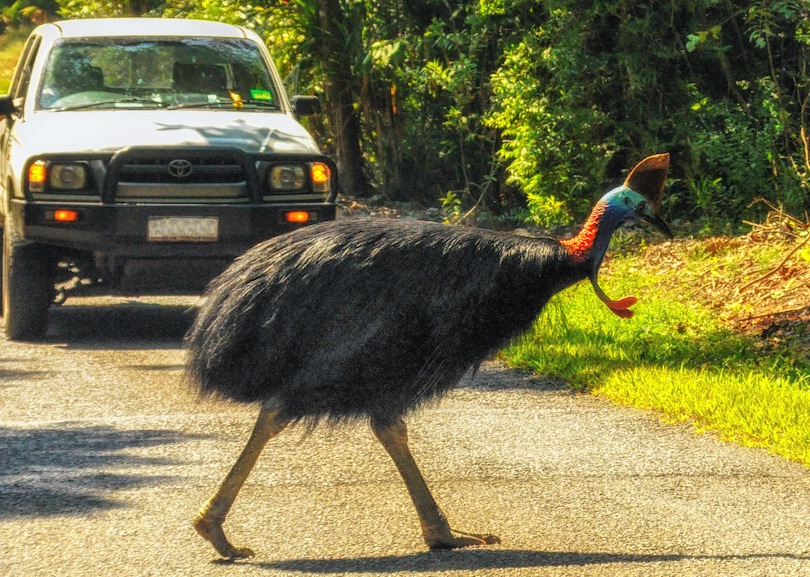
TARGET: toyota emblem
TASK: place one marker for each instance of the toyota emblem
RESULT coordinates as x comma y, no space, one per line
180,168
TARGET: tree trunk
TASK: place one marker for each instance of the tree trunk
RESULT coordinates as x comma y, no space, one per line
336,61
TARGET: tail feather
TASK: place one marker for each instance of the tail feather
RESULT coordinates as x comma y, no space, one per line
225,333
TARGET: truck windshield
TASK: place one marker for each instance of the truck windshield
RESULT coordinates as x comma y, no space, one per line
221,73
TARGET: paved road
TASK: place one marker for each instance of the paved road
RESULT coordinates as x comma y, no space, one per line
105,458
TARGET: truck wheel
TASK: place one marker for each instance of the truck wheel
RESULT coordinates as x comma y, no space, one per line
1,274
27,287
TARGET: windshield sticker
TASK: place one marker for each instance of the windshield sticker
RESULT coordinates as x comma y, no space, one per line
261,95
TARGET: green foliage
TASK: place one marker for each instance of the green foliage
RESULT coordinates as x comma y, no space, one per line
550,102
578,101
547,143
105,9
592,87
23,13
427,96
451,204
11,44
546,210
736,149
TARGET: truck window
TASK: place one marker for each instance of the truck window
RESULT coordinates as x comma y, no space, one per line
176,71
22,74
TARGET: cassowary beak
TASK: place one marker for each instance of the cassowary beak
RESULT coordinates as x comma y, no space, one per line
657,222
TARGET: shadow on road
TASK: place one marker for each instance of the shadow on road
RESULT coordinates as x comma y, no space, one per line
470,560
69,470
10,375
496,376
113,325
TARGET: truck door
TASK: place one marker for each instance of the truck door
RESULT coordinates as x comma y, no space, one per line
18,90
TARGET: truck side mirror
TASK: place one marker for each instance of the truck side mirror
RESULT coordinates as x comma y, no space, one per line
305,105
6,105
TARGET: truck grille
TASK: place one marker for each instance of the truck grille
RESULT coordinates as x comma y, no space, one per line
161,176
197,171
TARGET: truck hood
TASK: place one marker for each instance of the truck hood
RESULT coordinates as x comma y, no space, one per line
112,130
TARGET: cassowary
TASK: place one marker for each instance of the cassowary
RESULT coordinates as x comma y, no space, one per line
366,320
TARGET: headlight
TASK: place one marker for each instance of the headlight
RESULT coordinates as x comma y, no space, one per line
68,176
58,177
287,177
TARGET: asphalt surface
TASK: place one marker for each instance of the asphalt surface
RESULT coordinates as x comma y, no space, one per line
105,458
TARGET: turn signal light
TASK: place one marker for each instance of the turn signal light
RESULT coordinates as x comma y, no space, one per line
63,215
321,175
37,173
297,216
66,216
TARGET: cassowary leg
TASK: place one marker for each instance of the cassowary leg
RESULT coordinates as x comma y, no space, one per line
435,529
208,522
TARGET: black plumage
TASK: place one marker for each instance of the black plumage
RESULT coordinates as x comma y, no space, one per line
367,319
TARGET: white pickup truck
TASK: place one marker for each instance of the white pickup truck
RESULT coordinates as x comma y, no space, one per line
140,156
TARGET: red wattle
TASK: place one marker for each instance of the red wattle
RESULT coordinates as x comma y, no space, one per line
623,313
622,303
622,306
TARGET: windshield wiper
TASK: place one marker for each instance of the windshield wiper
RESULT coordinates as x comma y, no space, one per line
98,103
225,104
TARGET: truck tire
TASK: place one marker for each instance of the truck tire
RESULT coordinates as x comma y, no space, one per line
1,275
28,289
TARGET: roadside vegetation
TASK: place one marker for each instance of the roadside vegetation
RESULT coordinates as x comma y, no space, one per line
525,110
514,113
721,335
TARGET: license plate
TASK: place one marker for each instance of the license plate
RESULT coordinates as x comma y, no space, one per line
183,229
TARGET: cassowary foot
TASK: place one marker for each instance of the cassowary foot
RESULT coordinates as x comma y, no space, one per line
212,532
458,539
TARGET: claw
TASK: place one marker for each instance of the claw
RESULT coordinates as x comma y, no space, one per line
459,539
212,532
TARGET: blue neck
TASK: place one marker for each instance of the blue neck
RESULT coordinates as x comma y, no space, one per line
610,221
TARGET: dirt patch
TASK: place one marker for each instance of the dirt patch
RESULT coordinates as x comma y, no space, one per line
378,206
768,298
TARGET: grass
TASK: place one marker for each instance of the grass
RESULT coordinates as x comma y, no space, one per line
677,355
750,407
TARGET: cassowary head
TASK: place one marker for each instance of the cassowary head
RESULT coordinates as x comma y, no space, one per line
638,199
